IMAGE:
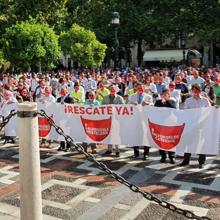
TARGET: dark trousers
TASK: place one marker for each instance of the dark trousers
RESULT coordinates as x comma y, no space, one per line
163,154
86,145
187,156
64,145
136,150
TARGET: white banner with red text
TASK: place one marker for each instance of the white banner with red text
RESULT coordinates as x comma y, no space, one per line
192,130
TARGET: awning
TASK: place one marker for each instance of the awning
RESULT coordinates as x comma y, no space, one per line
168,55
163,55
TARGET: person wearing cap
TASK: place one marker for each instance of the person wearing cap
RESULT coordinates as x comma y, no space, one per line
196,101
166,101
113,98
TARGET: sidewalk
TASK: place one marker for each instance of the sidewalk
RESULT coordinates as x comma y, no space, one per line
73,188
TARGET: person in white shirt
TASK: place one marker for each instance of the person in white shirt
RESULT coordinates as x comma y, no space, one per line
196,79
143,99
47,97
90,85
34,82
196,101
175,94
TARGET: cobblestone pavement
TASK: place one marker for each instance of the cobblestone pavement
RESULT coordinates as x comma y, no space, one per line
73,188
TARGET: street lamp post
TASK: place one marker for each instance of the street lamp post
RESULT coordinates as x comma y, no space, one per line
116,22
183,45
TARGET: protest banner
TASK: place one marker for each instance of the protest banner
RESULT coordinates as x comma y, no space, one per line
191,130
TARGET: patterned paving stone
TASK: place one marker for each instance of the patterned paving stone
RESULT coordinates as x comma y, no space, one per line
112,164
203,198
12,199
152,212
7,154
113,214
199,177
79,210
2,174
216,162
173,216
64,178
143,164
46,154
131,199
56,212
73,167
61,194
102,193
128,174
162,190
155,177
100,181
214,213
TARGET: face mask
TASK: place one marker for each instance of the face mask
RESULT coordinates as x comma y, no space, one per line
196,92
47,93
140,91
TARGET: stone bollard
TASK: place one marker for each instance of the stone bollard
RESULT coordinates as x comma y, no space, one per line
29,162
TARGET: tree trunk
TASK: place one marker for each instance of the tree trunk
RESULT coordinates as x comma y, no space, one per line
139,52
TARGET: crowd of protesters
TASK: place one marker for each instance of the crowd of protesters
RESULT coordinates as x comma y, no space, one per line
184,87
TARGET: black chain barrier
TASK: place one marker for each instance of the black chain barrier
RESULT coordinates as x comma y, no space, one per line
6,119
120,179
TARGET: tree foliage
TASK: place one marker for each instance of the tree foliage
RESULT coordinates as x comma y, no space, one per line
147,21
30,44
82,46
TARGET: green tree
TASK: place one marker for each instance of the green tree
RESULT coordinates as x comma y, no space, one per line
52,12
2,60
28,44
81,44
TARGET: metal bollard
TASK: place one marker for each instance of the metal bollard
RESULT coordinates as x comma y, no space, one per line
29,162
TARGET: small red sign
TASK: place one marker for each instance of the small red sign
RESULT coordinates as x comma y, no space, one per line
44,126
97,130
166,137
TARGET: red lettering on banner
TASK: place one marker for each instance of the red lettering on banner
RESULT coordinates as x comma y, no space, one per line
102,108
70,109
132,110
76,109
89,111
82,110
97,110
109,110
125,111
118,109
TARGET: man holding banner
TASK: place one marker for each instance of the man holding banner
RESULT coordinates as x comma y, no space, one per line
196,101
165,101
110,99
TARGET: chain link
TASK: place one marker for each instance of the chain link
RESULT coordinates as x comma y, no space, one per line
6,119
149,196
